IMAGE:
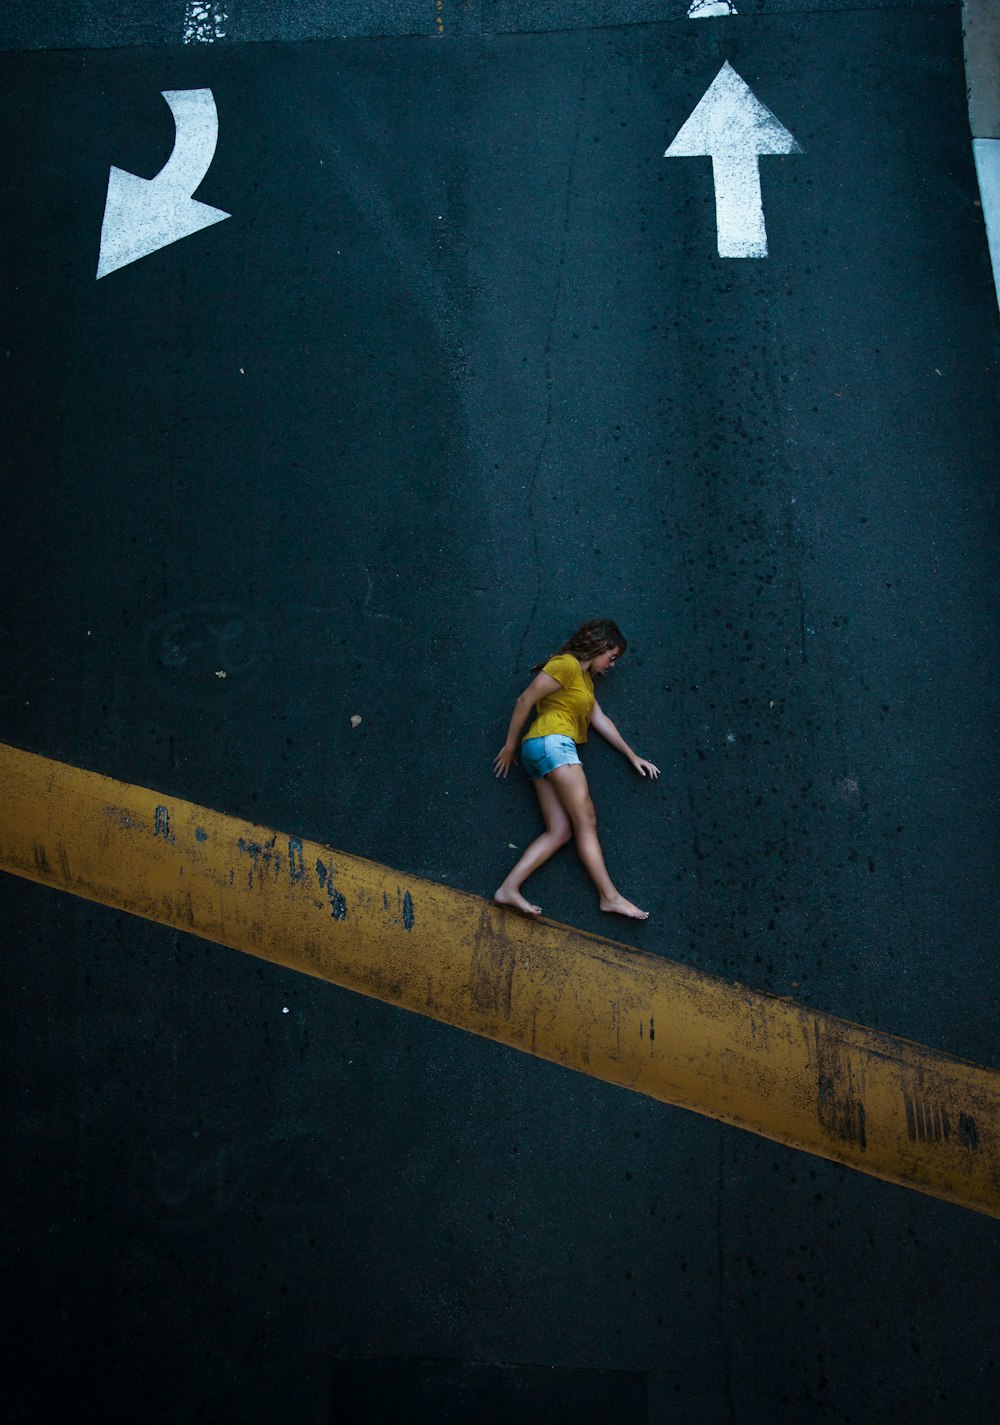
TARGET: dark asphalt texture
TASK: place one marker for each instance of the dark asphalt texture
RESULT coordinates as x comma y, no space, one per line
461,370
88,24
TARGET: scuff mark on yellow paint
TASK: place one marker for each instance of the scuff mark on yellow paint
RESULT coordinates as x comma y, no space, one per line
491,971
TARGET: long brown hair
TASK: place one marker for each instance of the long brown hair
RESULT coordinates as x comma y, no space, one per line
595,636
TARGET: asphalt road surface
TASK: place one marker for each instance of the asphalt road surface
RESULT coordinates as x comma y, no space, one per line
462,366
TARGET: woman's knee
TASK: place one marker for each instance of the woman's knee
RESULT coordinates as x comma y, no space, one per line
585,816
558,826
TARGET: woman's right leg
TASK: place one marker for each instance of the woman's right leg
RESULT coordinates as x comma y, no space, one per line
558,832
570,785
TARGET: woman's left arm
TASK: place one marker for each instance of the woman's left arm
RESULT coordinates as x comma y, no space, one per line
601,723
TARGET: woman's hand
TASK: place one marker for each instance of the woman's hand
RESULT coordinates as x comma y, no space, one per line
644,768
504,760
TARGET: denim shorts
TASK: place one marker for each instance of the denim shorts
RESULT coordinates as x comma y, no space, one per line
541,755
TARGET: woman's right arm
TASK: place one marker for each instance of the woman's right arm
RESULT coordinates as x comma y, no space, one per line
540,686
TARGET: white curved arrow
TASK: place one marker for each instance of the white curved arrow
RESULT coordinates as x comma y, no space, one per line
144,214
731,126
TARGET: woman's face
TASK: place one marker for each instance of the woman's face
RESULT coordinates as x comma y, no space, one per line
605,661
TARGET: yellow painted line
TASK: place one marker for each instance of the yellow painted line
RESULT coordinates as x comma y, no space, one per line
873,1102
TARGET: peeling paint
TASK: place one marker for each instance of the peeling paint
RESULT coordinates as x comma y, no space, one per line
121,815
296,864
263,855
204,22
338,905
253,849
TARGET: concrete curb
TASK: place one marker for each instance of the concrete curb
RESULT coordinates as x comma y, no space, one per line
860,1097
981,38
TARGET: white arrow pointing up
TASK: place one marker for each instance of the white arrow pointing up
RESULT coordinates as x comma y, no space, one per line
732,127
144,214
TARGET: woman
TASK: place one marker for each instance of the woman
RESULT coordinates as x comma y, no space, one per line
563,690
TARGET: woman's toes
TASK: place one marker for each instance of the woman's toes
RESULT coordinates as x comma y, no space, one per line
618,905
502,896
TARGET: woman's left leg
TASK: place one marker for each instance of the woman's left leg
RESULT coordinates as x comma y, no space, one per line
558,832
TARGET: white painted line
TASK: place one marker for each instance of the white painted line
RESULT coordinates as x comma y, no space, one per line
704,9
142,215
204,22
987,155
731,126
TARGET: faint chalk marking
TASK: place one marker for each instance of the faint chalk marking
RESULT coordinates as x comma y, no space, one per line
203,647
373,613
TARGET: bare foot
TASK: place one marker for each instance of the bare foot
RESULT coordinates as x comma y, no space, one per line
620,906
516,900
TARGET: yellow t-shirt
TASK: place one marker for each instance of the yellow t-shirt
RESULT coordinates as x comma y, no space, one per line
567,710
